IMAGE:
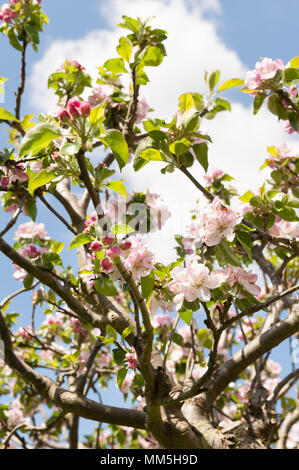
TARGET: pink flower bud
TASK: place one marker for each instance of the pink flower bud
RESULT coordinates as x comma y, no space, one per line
74,106
4,182
63,115
106,264
108,239
113,252
85,108
32,251
96,245
126,245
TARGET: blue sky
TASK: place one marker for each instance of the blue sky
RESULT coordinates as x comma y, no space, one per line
238,33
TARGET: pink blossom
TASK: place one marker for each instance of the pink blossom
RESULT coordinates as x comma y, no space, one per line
4,182
85,108
185,332
7,14
20,273
213,175
142,109
193,282
131,360
267,68
95,245
293,93
113,252
31,230
100,94
214,223
74,106
127,383
126,245
293,437
107,265
264,70
243,393
247,325
245,278
288,128
15,415
140,261
162,321
109,239
274,368
63,115
284,228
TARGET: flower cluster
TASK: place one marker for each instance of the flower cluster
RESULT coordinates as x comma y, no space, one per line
7,14
264,70
193,282
234,275
75,108
100,94
214,223
13,175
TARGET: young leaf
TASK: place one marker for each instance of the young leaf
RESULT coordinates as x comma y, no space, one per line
7,115
79,240
115,65
105,286
201,152
37,180
118,186
186,315
38,138
233,82
116,141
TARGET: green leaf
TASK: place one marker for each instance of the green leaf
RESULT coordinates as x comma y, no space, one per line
245,240
121,229
186,102
127,331
70,148
105,286
7,115
294,63
118,186
125,48
291,74
130,23
96,114
233,82
139,162
258,101
79,240
38,138
229,255
180,146
201,152
115,65
223,103
116,141
190,120
119,355
153,56
147,285
186,315
213,79
28,281
246,196
152,154
121,375
37,180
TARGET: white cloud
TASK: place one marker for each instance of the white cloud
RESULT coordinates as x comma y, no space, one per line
193,45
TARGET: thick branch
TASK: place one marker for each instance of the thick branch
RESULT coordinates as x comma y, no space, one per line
65,400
